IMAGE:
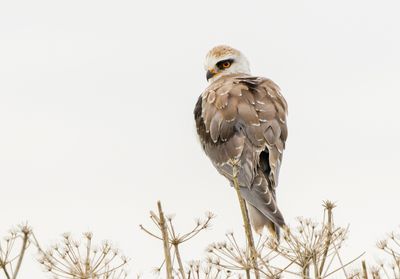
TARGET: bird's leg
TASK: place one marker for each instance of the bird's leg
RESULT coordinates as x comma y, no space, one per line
246,221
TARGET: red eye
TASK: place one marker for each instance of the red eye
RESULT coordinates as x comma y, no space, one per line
226,64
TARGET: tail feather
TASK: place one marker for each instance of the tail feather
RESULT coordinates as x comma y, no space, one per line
258,221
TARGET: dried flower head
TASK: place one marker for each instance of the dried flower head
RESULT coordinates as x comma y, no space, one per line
13,249
172,240
71,259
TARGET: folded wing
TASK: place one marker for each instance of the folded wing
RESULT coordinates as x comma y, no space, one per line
243,119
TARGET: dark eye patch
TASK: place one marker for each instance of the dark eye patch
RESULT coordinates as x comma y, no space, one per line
221,63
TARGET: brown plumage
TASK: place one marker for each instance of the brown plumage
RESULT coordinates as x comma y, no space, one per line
243,118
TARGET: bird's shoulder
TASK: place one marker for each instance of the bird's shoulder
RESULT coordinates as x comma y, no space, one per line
250,89
252,101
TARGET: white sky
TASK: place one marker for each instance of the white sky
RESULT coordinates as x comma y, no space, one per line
96,124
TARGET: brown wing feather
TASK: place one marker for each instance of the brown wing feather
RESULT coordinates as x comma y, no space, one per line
252,104
238,117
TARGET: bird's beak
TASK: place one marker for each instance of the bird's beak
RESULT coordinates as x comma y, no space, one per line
210,73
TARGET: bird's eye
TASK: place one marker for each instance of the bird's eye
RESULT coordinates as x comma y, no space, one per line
224,64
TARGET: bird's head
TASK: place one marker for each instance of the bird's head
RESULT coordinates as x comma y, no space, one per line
224,60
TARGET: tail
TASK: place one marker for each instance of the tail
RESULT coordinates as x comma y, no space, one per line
262,207
259,221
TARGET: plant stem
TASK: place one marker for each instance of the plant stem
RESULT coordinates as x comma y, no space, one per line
178,257
247,228
306,271
364,268
22,253
328,240
164,231
316,271
6,272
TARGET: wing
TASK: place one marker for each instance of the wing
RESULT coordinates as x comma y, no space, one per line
244,118
251,106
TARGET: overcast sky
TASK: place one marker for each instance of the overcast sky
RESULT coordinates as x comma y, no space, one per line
96,123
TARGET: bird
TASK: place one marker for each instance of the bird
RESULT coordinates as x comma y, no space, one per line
241,122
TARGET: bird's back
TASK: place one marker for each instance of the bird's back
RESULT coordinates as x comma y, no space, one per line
241,120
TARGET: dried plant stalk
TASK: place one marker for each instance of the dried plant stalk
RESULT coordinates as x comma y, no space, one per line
179,259
364,269
391,246
247,227
165,238
310,252
7,255
300,253
70,259
328,207
172,240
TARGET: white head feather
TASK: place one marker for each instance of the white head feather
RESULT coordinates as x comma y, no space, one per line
238,65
